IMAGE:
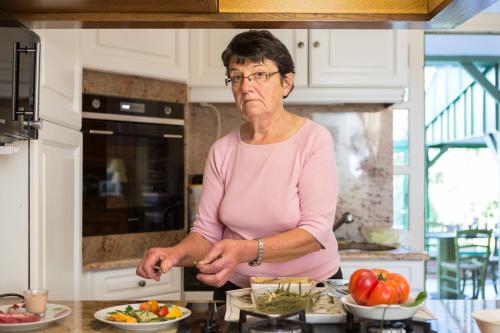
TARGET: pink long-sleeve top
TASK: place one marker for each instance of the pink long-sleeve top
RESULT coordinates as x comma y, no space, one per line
256,191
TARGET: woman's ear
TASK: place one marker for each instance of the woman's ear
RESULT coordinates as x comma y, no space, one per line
287,84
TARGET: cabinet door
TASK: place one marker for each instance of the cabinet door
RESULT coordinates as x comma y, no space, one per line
160,53
207,45
358,58
56,195
60,77
123,284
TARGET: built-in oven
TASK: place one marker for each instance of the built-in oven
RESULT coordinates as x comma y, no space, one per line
133,165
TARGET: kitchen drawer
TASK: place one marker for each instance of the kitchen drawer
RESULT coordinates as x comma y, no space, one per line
121,284
412,270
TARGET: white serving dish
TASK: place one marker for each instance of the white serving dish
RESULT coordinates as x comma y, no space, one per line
392,312
54,313
487,320
161,325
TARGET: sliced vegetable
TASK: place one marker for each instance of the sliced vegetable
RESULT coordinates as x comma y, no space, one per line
163,311
145,314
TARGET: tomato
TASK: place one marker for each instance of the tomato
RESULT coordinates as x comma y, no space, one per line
144,306
163,311
361,283
153,306
378,286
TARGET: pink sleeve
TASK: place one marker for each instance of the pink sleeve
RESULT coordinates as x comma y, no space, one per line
207,219
318,191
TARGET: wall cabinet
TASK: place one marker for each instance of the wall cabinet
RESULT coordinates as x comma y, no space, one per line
358,58
412,270
160,53
332,66
206,47
60,77
123,284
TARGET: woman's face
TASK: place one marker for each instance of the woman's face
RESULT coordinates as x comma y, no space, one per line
259,96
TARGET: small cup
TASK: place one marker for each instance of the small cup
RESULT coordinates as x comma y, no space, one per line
35,300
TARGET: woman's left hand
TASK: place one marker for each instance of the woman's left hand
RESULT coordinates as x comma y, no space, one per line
216,267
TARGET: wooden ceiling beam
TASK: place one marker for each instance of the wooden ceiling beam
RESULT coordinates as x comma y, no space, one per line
343,14
325,6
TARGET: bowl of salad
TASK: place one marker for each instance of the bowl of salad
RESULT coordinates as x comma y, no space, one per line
147,316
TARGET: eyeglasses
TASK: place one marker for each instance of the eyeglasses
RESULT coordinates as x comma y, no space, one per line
258,77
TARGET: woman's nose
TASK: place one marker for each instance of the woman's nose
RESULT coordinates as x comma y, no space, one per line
246,84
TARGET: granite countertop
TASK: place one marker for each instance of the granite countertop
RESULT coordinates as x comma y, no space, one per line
453,316
401,253
110,264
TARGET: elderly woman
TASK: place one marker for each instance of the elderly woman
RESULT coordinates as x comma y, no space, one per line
269,187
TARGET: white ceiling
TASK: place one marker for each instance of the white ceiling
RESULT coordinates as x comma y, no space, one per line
495,8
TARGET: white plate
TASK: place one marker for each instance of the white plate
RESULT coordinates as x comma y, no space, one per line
102,314
392,312
54,313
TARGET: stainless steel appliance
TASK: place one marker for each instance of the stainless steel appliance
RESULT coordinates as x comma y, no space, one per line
133,165
19,80
19,68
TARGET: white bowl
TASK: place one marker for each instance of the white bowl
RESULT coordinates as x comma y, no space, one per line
487,320
384,235
392,312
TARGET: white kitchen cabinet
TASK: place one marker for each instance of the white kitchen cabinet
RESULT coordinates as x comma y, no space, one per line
124,284
60,77
333,66
412,270
207,73
358,58
157,53
55,209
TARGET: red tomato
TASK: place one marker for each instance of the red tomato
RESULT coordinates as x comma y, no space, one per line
163,311
361,283
378,286
144,306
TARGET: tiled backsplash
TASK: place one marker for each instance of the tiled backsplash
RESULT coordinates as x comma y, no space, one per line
362,135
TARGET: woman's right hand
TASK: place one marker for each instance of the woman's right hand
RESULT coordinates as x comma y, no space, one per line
165,257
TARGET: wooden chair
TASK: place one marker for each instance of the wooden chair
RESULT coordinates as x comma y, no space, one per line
470,260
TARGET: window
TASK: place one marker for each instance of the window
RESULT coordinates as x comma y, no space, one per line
400,163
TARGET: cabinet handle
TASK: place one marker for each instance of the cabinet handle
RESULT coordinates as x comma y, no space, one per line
172,136
101,132
300,45
142,283
316,44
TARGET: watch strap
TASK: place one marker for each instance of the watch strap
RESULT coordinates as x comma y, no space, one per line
260,254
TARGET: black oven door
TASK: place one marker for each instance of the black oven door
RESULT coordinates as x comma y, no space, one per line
133,177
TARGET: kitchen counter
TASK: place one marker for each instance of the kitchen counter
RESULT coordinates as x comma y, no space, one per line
453,316
401,253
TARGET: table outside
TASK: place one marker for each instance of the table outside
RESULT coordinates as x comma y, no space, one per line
446,251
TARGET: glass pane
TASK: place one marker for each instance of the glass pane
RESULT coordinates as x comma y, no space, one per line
400,201
400,136
461,191
133,179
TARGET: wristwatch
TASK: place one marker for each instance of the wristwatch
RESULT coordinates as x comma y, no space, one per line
260,254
